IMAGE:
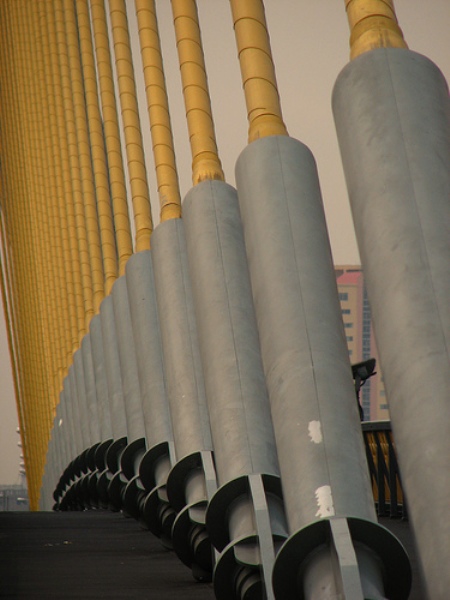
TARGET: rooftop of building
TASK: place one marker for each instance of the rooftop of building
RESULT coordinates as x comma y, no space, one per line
349,278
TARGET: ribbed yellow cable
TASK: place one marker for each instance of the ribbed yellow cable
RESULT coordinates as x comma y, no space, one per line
37,313
6,123
62,166
37,318
9,321
8,312
84,157
132,129
67,199
112,136
8,194
63,314
158,111
97,145
67,314
257,69
205,159
75,174
28,329
373,24
44,236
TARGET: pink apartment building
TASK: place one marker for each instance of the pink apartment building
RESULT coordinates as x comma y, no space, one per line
360,337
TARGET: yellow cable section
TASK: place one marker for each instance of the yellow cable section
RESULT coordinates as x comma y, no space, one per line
60,161
67,317
42,247
112,135
15,198
36,316
11,334
373,24
36,214
8,315
10,193
53,265
19,143
205,160
67,206
97,146
84,158
69,99
257,69
158,110
130,116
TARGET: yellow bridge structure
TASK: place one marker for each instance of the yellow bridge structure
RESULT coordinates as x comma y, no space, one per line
195,374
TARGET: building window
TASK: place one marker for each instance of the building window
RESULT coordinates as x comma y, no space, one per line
366,333
346,311
348,325
343,296
349,338
384,406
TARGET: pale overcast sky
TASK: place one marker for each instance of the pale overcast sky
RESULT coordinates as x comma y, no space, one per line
310,47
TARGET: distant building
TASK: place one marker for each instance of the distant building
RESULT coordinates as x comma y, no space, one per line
13,497
360,338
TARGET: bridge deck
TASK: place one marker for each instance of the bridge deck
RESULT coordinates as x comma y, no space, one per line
95,554
87,555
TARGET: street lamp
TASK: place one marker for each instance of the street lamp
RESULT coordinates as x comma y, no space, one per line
362,371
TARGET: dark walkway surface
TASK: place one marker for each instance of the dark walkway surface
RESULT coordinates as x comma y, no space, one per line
95,554
89,555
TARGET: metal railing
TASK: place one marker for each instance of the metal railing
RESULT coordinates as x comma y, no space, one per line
384,469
